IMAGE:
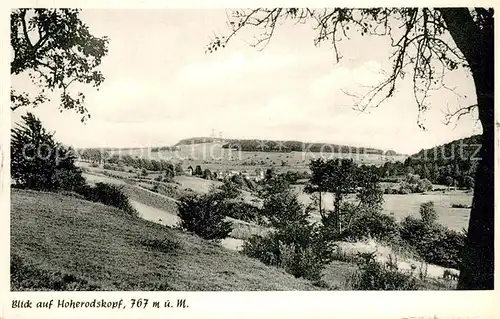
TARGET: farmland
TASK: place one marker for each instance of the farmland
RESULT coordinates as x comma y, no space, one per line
214,157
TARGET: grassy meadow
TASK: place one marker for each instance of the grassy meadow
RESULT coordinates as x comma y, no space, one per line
64,243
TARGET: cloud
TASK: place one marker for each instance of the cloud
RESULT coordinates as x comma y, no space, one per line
237,64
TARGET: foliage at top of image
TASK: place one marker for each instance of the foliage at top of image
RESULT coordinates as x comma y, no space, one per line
419,38
55,48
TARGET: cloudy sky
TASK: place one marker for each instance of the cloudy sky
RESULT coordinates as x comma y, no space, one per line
161,86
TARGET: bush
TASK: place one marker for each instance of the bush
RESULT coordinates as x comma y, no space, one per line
423,185
447,250
300,251
418,235
301,248
376,225
432,241
405,188
229,190
202,215
266,249
108,194
380,276
428,213
239,209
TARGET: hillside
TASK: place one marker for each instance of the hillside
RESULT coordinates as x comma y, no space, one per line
452,164
464,148
198,140
257,145
64,243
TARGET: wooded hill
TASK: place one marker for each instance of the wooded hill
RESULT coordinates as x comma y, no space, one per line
452,164
257,145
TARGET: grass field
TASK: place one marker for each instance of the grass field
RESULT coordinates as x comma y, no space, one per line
401,206
214,157
63,243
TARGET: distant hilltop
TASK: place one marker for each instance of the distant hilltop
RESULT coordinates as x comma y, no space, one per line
257,145
199,140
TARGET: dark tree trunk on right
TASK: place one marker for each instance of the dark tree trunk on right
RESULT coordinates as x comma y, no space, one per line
477,269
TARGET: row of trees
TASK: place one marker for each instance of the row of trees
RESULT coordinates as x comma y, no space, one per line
145,163
296,146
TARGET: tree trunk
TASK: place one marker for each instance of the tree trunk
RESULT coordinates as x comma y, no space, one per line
477,268
336,211
320,210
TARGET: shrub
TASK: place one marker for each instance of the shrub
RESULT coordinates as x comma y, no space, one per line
405,188
207,174
178,169
447,250
373,275
432,241
108,194
39,162
423,185
375,225
301,248
428,213
202,215
239,209
264,248
198,171
418,235
229,190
